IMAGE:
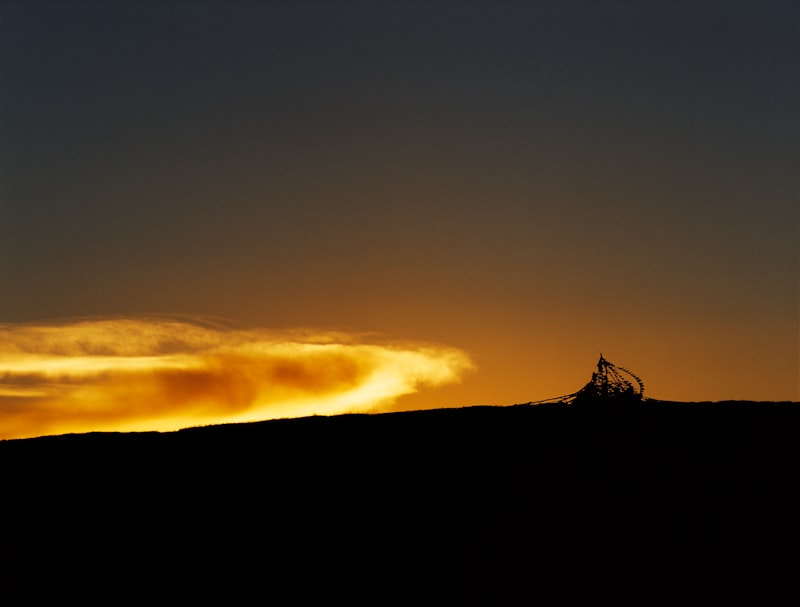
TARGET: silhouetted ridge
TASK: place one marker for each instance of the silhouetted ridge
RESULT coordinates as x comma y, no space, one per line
475,506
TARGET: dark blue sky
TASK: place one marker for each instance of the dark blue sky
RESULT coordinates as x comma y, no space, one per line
532,182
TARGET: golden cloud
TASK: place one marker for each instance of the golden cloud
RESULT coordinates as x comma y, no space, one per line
163,374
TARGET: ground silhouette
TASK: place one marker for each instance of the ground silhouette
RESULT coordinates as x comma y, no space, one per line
472,506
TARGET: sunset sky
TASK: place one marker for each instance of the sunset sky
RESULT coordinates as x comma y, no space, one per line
506,189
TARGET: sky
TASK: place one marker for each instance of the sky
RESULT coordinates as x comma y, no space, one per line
503,189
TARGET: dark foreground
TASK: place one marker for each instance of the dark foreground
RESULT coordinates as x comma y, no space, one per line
476,506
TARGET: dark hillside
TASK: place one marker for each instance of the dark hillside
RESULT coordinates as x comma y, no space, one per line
479,506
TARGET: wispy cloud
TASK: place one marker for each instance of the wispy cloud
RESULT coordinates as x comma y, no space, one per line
162,374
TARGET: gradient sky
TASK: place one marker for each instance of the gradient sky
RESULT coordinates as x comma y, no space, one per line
533,183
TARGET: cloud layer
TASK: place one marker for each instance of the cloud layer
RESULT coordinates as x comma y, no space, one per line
163,374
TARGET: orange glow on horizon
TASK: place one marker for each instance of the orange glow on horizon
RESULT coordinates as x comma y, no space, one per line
155,374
